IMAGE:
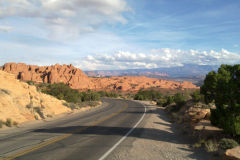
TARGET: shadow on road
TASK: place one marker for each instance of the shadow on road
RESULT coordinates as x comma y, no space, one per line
172,135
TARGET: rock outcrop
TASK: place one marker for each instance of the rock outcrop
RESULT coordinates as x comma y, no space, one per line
76,79
67,74
232,154
21,102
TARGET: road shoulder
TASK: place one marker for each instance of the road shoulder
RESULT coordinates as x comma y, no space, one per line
159,139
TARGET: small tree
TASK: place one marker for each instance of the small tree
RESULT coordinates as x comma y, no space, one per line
197,97
223,88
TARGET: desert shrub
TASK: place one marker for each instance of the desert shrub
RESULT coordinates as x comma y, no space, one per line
197,96
39,111
179,99
199,143
161,101
30,82
5,91
139,97
62,92
151,95
108,94
166,100
15,123
50,116
222,87
9,122
90,96
211,145
1,123
226,143
88,103
93,103
36,117
169,100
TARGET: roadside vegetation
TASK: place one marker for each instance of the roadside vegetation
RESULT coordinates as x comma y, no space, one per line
148,95
64,92
223,88
74,98
179,99
108,94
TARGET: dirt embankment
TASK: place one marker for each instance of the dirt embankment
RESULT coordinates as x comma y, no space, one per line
76,79
21,102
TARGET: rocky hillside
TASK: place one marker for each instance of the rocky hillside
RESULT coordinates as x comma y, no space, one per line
21,102
76,79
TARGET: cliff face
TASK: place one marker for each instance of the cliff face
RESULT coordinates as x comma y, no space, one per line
76,79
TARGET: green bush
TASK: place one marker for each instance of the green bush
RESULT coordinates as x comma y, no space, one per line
161,101
197,96
164,101
222,87
169,100
179,99
108,94
64,92
226,143
90,96
150,95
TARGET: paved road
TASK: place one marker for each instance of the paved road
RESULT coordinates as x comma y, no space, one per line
90,135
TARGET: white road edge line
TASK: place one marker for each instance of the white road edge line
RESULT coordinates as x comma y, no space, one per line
124,137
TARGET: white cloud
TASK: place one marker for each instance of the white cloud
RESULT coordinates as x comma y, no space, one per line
5,28
71,17
164,57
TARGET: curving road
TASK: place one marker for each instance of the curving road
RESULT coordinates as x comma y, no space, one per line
89,135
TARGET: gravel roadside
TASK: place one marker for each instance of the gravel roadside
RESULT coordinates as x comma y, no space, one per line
159,139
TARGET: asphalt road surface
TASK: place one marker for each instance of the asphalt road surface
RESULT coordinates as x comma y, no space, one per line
90,135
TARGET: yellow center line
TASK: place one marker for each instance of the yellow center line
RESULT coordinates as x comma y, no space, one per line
41,145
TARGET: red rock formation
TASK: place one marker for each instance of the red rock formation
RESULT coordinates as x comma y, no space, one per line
76,79
67,74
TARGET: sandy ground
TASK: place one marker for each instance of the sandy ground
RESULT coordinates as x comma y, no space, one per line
160,140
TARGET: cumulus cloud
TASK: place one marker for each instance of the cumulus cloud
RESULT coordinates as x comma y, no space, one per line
164,57
66,17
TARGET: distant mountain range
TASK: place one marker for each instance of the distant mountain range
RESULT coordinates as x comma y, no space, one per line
189,72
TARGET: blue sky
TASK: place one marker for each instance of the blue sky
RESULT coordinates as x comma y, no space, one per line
120,34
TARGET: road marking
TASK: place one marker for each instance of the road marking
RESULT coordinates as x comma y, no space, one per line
41,145
124,137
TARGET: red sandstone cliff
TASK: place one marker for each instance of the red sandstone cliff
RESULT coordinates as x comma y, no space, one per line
76,79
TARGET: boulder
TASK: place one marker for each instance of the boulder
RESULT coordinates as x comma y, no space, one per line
232,154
